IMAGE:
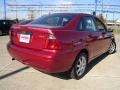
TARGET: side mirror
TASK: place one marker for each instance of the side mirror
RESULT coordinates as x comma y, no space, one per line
110,30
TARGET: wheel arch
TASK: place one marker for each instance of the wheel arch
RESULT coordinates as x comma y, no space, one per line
85,51
113,39
81,51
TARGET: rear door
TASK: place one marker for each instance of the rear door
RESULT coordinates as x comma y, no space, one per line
93,38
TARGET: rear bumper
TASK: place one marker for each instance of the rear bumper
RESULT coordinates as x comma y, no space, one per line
49,61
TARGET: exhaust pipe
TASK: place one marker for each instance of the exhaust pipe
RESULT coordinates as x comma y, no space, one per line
13,59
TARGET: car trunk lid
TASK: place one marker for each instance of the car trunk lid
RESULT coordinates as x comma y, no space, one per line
30,37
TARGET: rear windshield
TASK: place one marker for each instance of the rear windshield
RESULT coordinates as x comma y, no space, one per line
25,22
53,20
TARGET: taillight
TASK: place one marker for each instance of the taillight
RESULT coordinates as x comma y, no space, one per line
52,42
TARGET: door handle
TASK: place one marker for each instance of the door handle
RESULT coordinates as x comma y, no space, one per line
91,36
76,43
105,35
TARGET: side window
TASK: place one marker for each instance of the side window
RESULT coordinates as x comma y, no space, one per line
65,21
100,25
87,24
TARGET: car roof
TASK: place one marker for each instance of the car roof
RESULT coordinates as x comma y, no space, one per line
81,14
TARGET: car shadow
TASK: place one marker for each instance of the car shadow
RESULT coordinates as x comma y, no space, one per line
96,61
13,72
63,75
91,65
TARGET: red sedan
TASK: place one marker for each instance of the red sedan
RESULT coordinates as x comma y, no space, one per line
61,42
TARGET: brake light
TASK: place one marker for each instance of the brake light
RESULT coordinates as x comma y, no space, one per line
52,42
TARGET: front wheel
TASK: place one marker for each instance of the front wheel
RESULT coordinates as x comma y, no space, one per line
112,47
80,66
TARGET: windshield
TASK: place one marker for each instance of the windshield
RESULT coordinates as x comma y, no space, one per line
53,20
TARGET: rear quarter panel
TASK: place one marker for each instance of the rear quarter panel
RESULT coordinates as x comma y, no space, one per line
72,42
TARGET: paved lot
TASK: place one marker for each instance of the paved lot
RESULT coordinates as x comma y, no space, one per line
103,74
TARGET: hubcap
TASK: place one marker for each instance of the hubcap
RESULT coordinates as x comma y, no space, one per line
81,65
112,47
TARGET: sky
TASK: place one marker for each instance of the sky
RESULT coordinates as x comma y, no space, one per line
23,14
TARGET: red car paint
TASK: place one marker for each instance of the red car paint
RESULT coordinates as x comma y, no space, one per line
53,49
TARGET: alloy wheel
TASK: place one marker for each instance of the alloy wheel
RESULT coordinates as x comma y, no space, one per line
112,48
81,65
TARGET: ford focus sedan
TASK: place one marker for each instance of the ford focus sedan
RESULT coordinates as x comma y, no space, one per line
61,42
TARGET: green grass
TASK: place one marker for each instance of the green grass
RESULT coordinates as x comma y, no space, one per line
117,31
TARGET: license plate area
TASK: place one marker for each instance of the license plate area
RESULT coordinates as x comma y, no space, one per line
24,37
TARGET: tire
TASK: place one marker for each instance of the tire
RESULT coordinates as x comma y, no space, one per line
112,48
79,68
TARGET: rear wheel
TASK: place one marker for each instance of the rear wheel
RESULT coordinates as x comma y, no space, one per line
80,66
112,47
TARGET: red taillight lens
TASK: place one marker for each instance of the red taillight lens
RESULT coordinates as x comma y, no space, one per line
52,43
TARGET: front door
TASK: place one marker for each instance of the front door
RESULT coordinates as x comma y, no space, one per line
106,36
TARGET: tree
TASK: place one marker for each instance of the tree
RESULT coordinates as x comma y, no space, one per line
31,14
100,16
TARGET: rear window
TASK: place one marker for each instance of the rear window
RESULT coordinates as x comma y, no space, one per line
53,20
25,22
